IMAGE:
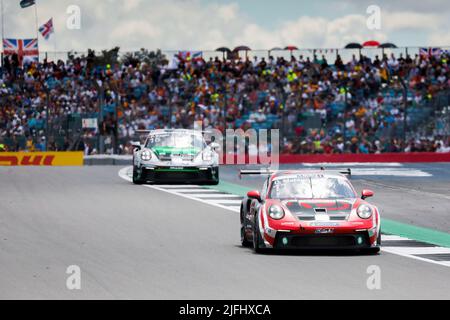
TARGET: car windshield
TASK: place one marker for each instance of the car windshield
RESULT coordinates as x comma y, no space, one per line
311,187
176,140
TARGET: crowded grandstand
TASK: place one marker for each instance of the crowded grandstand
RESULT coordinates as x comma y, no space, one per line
97,103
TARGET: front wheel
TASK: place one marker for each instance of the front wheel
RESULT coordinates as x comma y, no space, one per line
376,250
257,239
215,176
136,176
372,251
244,241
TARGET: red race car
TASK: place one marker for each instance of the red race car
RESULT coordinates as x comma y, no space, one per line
306,209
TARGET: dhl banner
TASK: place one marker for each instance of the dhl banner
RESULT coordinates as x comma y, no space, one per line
41,158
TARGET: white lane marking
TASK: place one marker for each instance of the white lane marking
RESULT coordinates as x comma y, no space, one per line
125,174
353,164
187,186
206,196
236,209
412,252
199,190
406,255
417,250
236,202
385,237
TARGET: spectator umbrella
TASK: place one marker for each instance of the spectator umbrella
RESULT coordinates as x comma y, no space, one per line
223,50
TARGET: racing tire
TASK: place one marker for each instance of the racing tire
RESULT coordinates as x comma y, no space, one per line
244,241
371,251
215,180
376,250
257,239
136,179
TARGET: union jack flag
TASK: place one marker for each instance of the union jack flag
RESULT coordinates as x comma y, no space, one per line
24,48
430,52
188,56
47,29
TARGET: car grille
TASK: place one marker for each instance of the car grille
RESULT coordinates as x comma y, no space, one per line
187,175
321,241
176,175
306,218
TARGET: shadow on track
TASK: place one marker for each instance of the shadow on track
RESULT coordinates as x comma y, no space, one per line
311,252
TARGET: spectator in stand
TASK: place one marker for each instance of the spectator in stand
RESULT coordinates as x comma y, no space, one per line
39,98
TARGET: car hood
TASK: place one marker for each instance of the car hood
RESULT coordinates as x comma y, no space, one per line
166,153
311,207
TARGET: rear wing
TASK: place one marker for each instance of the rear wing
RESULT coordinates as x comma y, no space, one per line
257,172
269,172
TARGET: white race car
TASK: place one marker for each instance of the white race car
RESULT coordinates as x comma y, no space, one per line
175,156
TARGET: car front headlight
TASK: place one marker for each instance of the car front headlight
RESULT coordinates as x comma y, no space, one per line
364,211
276,212
146,155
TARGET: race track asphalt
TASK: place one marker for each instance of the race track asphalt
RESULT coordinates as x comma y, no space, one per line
133,242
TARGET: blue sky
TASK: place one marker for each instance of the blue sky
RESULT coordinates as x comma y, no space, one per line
272,14
208,24
277,12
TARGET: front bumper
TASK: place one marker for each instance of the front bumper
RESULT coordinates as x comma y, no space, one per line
160,174
360,240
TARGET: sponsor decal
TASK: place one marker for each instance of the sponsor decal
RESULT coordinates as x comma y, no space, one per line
41,159
324,224
324,231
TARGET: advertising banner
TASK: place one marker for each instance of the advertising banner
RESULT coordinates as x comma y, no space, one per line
41,158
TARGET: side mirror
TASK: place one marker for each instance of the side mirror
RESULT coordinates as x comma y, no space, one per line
136,146
254,195
367,194
215,146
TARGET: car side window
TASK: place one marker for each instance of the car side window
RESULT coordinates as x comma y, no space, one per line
264,189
